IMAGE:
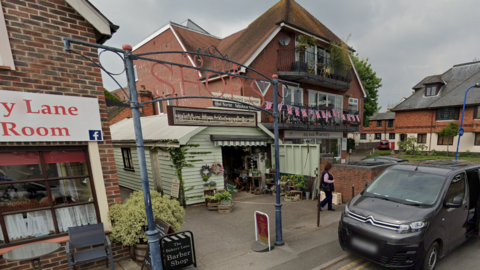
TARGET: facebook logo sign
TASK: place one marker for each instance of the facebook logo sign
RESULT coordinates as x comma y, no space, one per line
95,135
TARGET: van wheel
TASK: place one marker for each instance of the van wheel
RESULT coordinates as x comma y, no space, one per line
431,258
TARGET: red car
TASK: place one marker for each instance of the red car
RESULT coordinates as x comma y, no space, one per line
383,145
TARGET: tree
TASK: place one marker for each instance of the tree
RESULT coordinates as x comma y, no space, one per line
371,84
411,147
449,131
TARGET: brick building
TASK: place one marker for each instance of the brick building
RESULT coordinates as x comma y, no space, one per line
267,45
57,168
437,100
381,126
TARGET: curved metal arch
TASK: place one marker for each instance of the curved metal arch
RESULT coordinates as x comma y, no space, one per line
139,57
202,97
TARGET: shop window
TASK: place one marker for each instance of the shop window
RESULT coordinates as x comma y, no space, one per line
127,159
379,123
477,139
390,123
444,140
391,136
378,136
447,114
363,136
422,138
35,184
6,57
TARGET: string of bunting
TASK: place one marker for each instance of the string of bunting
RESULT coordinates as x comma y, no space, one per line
325,114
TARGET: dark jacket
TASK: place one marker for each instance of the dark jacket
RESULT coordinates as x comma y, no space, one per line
330,177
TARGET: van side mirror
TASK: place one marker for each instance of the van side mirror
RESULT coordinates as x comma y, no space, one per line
456,203
367,184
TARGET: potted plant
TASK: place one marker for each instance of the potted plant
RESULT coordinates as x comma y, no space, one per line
303,42
129,219
212,184
206,184
299,181
267,165
225,198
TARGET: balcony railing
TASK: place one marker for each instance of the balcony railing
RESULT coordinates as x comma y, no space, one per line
311,122
309,63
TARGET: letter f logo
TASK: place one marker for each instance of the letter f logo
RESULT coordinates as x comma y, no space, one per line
95,135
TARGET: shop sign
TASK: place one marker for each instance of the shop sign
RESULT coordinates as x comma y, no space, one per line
178,250
33,117
252,100
231,105
184,116
164,228
311,135
175,188
262,228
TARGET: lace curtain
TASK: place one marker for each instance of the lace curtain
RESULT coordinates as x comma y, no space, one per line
75,216
36,224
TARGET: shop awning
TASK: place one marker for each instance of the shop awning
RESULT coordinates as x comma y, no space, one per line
234,140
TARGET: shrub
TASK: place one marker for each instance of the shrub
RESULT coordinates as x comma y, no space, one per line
129,220
379,153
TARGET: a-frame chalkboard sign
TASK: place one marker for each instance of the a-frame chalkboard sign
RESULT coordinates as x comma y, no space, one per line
164,228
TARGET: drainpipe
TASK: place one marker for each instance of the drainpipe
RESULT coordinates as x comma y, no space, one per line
431,128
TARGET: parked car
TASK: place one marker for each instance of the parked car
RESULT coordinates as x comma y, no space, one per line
383,145
377,160
412,215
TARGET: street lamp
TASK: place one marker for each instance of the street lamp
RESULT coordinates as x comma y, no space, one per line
461,131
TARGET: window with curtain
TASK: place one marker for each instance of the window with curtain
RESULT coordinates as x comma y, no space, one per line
391,136
422,138
476,113
43,193
353,105
477,139
378,136
444,140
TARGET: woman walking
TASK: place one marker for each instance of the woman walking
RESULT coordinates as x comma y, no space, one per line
327,185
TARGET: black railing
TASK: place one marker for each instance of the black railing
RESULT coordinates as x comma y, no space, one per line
308,62
294,121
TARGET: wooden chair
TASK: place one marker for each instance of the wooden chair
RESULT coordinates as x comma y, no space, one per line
93,236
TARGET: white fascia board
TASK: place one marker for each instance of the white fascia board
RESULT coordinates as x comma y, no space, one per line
184,49
261,47
156,33
91,15
358,77
304,33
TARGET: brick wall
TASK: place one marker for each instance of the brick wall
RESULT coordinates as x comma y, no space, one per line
35,29
348,176
120,113
58,260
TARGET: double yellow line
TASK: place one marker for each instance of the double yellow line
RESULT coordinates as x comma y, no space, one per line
354,263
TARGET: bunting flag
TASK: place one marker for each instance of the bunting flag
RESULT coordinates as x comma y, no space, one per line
349,116
268,105
297,111
343,117
318,114
304,113
312,112
358,118
323,114
280,106
334,113
329,114
289,110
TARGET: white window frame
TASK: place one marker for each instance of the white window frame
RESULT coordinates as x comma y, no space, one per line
327,94
353,101
291,97
6,57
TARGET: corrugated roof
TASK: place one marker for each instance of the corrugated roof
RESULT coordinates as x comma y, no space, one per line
383,116
155,129
457,80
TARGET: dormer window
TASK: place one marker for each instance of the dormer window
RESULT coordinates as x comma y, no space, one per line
431,90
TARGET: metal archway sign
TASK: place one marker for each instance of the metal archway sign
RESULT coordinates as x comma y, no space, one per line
200,62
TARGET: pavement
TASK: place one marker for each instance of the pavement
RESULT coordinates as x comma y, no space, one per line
223,241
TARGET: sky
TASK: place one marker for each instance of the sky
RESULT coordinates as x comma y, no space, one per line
404,41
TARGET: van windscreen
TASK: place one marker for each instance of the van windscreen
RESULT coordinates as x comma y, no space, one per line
407,187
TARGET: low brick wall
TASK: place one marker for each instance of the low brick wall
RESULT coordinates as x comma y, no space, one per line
348,176
58,260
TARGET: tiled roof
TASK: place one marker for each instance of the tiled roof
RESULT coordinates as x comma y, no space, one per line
241,46
457,80
383,116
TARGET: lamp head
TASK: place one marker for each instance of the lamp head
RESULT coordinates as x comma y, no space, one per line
477,85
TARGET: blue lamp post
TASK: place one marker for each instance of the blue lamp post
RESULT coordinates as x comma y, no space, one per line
461,131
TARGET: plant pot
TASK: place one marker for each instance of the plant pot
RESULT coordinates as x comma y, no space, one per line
140,250
207,187
264,192
270,119
307,195
225,202
267,170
